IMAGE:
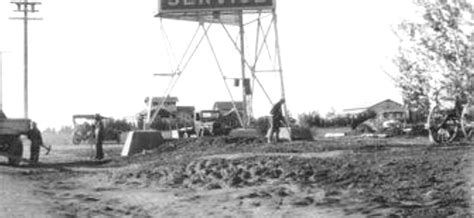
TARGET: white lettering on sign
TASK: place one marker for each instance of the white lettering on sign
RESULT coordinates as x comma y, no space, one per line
173,2
201,2
212,5
189,2
208,2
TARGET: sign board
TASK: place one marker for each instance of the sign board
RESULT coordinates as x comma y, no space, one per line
182,6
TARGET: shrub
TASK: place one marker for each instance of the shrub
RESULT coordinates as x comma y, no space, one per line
314,119
119,125
311,119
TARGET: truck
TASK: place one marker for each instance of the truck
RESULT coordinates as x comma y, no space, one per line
211,123
10,142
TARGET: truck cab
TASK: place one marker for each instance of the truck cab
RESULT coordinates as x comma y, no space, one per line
204,122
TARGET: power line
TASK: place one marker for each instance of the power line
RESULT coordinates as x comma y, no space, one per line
25,7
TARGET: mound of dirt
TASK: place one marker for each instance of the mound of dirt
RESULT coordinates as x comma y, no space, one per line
386,182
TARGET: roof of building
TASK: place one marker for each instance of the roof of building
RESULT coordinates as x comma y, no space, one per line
227,105
361,109
384,102
160,99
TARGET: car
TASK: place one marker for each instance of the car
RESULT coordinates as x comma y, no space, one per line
84,130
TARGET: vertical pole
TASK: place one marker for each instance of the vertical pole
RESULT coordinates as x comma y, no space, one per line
26,58
242,59
26,7
148,114
280,69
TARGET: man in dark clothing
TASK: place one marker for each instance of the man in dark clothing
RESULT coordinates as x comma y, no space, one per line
36,142
99,136
277,120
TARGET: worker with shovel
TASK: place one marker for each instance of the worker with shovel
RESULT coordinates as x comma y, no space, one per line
36,142
277,121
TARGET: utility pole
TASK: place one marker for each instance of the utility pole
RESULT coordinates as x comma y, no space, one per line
280,68
242,56
25,7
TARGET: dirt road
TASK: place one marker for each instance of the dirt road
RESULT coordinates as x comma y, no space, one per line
220,177
24,191
18,198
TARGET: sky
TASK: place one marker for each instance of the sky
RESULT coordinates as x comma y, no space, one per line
93,56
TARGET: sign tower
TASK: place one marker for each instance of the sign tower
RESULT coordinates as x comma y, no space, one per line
257,18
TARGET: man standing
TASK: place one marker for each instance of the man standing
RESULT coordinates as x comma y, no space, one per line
36,142
277,121
99,136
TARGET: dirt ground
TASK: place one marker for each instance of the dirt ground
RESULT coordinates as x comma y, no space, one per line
17,198
235,177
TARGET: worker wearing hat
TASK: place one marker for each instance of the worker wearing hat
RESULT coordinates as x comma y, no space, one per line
36,142
277,120
99,136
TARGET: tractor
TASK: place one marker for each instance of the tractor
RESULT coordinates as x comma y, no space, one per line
451,118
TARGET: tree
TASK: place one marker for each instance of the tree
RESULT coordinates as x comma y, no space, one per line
312,119
66,130
436,54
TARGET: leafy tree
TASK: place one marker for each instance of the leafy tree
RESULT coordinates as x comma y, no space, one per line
310,119
119,125
436,55
49,130
314,119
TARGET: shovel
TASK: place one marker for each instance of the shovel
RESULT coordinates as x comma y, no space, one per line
47,147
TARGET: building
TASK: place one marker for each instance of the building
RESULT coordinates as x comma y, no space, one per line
387,108
169,103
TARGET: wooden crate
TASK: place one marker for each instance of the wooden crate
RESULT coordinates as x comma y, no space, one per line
14,126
